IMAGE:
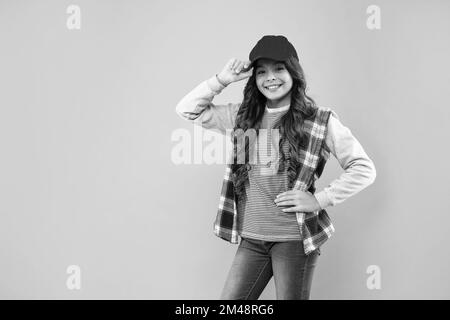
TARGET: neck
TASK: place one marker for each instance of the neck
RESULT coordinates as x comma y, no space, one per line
277,109
277,103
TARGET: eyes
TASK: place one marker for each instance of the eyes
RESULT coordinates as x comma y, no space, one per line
277,68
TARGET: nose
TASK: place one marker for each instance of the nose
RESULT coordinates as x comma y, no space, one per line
270,75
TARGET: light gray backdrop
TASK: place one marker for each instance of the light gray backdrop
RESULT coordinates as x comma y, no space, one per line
86,118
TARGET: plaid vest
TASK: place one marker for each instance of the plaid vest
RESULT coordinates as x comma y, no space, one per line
315,227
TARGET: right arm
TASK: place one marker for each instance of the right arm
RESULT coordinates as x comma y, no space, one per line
197,105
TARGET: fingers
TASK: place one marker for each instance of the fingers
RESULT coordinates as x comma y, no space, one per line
293,193
233,64
286,198
291,209
246,66
236,70
290,192
246,74
289,196
243,66
237,66
283,203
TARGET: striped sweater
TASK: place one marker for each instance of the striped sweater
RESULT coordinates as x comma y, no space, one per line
258,216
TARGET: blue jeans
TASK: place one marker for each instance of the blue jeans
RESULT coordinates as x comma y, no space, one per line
256,261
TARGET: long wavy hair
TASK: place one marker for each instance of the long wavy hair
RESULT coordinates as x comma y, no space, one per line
250,113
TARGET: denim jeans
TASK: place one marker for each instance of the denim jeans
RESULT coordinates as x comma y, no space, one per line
256,261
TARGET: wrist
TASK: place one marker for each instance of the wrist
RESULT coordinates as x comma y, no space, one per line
323,199
221,81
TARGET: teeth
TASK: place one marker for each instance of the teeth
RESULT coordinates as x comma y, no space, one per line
273,87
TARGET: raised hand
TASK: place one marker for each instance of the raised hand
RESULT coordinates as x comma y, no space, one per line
234,70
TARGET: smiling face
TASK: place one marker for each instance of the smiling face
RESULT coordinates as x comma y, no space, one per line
274,82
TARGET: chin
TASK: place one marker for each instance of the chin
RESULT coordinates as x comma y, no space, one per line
276,96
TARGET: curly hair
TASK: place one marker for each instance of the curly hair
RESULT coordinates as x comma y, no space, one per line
249,116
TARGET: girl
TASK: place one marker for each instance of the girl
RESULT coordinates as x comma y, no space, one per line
271,203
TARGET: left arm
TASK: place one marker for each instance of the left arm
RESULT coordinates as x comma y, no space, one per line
359,172
359,169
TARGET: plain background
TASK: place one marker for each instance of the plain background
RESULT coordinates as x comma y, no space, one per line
86,118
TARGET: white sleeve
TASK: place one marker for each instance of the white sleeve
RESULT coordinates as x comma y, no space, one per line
198,108
359,169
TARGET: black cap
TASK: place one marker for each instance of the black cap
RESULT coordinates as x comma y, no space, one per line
273,47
